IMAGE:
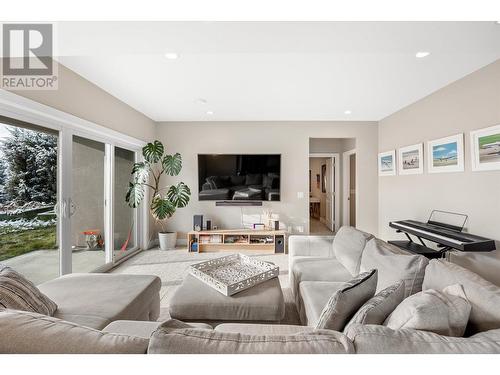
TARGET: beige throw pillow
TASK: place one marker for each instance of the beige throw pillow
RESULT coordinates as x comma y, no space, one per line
18,293
394,264
344,303
379,307
348,245
483,296
443,312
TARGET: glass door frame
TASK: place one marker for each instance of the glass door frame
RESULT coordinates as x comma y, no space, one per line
67,125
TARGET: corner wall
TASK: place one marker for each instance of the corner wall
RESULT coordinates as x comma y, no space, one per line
470,103
291,140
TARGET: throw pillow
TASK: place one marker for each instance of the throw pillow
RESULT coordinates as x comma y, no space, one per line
346,301
18,293
378,308
443,312
253,179
348,245
483,296
237,180
394,264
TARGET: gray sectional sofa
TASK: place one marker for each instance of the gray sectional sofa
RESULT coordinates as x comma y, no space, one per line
117,313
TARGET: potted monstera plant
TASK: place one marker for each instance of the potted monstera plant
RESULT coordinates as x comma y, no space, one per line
164,200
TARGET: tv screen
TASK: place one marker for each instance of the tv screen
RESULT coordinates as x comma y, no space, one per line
239,177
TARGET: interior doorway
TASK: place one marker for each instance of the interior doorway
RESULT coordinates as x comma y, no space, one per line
323,193
350,188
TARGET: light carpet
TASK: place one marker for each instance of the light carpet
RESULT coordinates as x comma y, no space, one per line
171,266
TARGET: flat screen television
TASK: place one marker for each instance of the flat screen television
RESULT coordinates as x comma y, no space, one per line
239,177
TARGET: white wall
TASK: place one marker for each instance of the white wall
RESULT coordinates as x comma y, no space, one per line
291,140
470,103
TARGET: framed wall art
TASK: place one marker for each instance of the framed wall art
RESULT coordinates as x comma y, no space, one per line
387,163
485,149
410,159
446,154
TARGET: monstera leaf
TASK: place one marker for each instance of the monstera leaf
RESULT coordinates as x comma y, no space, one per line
172,164
153,152
141,172
179,194
135,194
162,208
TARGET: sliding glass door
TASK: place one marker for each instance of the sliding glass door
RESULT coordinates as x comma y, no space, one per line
87,205
124,217
28,199
62,200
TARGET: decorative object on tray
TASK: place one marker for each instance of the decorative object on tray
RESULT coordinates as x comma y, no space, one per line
234,273
387,163
446,154
485,149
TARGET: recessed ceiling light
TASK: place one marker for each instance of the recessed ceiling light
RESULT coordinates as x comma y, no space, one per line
210,113
347,112
201,101
422,54
171,55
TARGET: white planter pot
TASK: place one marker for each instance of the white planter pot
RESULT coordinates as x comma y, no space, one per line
167,240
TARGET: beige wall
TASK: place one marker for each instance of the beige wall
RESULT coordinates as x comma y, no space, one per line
83,99
470,103
291,140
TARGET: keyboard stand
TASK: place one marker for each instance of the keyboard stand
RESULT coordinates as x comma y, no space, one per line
416,248
421,248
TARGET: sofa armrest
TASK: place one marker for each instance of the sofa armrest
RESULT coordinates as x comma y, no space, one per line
375,339
312,246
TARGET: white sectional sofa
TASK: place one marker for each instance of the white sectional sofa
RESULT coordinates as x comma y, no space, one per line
120,318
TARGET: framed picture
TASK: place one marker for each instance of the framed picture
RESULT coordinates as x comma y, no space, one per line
323,178
410,159
387,163
446,154
317,181
485,149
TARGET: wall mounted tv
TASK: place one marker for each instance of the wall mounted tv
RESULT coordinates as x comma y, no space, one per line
239,177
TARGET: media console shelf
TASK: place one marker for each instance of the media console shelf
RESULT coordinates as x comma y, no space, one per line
237,239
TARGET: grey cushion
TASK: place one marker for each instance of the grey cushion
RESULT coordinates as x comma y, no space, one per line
376,339
344,303
95,299
317,269
141,329
444,312
30,333
175,338
18,293
348,246
378,308
263,329
483,296
394,264
314,296
194,300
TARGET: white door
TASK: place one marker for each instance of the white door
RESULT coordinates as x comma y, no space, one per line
330,194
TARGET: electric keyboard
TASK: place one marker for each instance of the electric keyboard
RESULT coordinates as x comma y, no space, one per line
443,236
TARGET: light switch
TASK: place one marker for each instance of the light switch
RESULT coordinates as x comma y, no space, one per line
300,195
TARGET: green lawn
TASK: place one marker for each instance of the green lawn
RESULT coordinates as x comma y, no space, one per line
14,244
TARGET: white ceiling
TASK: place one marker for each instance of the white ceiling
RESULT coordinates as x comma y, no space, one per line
274,71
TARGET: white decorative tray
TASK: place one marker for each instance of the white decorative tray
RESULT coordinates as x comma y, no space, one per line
233,273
